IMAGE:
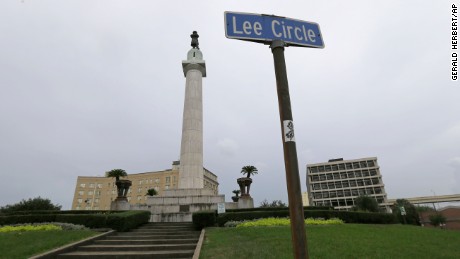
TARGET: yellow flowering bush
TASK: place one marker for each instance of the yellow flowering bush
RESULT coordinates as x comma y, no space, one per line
29,228
267,222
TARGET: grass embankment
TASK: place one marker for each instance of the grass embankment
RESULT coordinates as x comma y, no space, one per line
333,241
29,243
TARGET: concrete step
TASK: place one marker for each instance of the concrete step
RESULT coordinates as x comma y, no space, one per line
146,241
167,231
169,223
161,247
129,254
166,227
153,240
132,236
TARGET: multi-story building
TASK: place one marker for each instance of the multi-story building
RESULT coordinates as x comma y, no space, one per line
97,193
339,182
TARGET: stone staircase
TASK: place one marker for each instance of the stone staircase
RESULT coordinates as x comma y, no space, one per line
153,240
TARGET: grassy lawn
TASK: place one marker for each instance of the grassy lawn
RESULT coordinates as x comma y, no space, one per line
26,244
333,241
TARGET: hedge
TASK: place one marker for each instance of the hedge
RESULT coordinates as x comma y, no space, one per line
29,212
204,219
120,221
346,216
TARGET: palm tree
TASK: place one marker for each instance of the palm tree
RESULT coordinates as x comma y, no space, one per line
152,192
236,192
249,170
117,173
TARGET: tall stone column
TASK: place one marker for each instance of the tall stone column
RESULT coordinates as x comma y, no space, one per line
191,172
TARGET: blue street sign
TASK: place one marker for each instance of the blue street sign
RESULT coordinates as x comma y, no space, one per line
266,28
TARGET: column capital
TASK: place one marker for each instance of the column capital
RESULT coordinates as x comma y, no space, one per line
196,64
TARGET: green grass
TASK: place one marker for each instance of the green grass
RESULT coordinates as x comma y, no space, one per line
333,241
26,244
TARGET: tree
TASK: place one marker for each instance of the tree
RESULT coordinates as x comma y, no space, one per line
249,170
366,203
273,204
437,220
31,204
117,173
152,192
236,192
411,216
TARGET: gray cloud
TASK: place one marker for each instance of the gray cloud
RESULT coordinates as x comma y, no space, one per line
91,86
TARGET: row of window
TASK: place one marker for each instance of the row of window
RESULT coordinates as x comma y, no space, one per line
144,181
347,193
343,202
92,185
342,166
87,201
345,184
343,175
113,192
90,201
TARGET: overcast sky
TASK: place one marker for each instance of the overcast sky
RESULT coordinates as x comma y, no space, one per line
89,86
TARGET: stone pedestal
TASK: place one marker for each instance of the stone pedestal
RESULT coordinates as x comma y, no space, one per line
120,204
245,202
178,205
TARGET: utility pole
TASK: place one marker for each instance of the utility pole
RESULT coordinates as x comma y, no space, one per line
299,238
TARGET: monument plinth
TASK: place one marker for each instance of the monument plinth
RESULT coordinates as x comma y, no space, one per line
177,205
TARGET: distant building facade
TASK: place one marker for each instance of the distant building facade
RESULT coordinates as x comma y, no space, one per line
97,193
339,182
451,214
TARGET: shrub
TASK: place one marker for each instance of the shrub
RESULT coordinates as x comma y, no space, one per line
437,219
267,222
127,220
44,227
204,219
346,216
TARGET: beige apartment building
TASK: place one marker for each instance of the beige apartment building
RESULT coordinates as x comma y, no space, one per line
97,193
339,182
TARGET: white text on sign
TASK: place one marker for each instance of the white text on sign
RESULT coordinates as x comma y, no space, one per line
279,29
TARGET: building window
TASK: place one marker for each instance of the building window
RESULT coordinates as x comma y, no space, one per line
166,187
81,193
174,178
139,198
91,185
157,180
80,200
90,193
78,207
82,185
96,200
114,192
139,190
99,185
140,182
168,179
